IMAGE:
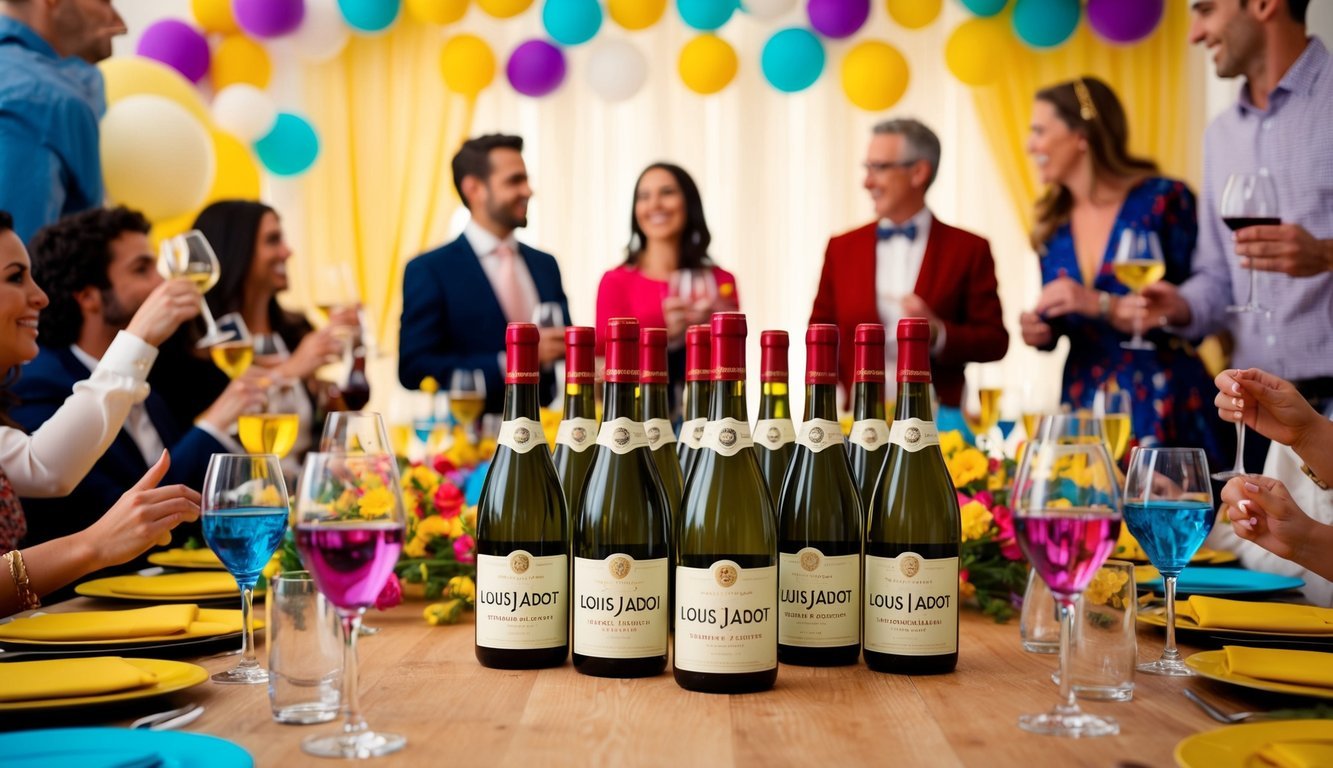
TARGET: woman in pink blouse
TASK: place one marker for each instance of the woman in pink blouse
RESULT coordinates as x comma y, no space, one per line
668,246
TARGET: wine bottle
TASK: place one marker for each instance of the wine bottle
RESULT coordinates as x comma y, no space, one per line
914,535
621,533
698,392
578,427
774,434
355,389
819,526
870,431
522,598
657,416
726,559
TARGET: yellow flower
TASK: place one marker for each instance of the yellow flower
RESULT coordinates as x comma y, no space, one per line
434,526
487,447
378,502
346,502
416,547
968,466
447,612
976,520
469,518
966,589
455,527
462,587
951,442
1105,585
421,478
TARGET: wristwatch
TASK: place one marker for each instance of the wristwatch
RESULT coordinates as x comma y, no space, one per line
1104,305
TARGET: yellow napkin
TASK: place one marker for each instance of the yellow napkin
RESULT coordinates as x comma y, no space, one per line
1297,667
175,585
1298,754
102,625
65,678
193,556
1218,613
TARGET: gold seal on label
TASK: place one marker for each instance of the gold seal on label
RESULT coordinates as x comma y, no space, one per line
727,437
726,575
620,436
522,435
910,565
816,435
810,560
579,434
520,562
913,435
619,566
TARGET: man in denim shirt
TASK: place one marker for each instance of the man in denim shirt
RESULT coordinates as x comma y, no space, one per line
51,98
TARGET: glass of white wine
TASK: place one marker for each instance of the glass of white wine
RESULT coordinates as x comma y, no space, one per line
234,355
191,257
354,432
1114,406
981,402
467,398
1138,264
275,430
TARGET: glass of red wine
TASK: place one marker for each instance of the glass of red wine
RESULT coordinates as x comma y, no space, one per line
349,530
1067,513
1249,200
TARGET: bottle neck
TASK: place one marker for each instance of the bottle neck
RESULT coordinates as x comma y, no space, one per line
618,401
653,401
913,401
773,400
579,401
868,400
728,401
697,397
821,402
521,402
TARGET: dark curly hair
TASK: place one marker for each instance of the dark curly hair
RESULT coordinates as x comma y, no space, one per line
73,254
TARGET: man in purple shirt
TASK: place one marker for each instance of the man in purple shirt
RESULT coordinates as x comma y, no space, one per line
1282,122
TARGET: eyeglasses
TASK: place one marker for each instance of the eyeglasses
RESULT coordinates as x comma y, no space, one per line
882,167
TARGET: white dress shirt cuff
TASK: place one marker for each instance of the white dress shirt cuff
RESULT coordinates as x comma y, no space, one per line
131,357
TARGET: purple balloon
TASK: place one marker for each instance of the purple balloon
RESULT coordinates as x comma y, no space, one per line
178,45
268,18
1124,21
837,18
536,68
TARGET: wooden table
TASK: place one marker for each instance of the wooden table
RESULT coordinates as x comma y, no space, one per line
424,682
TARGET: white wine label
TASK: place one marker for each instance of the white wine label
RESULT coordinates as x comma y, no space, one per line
774,433
870,434
726,618
726,436
914,434
659,433
578,434
818,434
911,605
521,435
622,435
692,431
521,601
620,607
819,599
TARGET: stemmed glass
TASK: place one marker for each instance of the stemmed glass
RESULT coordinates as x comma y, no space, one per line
275,429
244,515
191,257
354,432
1169,509
236,352
467,398
1249,200
696,287
349,531
1114,407
981,403
1067,517
1138,264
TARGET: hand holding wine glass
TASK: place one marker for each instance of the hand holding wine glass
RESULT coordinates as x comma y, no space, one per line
191,257
1249,200
697,289
1139,264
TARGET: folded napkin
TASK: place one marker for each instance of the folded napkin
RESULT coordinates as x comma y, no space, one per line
1219,613
1298,754
193,556
175,585
1314,668
156,621
65,678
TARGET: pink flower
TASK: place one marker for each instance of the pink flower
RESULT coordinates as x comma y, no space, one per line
391,595
448,500
986,498
465,549
1006,538
442,465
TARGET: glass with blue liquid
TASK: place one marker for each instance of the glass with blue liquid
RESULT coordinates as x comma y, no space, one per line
1169,509
244,515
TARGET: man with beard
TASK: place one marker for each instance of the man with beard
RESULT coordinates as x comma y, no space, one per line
98,271
458,299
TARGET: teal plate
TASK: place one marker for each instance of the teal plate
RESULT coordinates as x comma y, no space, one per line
119,748
1225,581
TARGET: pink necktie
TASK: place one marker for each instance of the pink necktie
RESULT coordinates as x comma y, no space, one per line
507,288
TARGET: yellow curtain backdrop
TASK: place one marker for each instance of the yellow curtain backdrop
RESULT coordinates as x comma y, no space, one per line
382,190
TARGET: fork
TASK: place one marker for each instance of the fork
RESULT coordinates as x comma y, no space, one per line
1217,714
172,718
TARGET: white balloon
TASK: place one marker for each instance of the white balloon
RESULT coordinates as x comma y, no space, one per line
245,112
616,69
767,9
322,33
156,157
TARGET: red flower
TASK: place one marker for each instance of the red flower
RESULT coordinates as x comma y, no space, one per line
391,595
442,465
448,500
1006,538
465,549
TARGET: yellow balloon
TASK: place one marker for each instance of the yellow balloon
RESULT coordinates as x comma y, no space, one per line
214,16
707,64
468,65
975,52
137,76
156,157
503,9
635,14
436,11
874,75
238,59
914,14
237,178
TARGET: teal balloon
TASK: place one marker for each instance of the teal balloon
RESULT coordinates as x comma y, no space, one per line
290,148
985,7
572,22
792,60
369,15
705,15
1046,23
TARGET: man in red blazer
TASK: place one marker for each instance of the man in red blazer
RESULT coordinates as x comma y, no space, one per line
910,264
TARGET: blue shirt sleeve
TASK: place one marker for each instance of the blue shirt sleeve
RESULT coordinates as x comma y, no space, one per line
27,164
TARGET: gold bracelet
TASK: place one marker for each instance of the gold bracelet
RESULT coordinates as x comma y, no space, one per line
28,599
1323,486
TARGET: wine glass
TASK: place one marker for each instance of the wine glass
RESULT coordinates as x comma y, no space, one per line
548,314
354,432
1249,200
467,397
235,354
334,289
349,531
191,257
244,515
1138,264
275,429
1169,509
1067,517
696,287
1114,406
981,403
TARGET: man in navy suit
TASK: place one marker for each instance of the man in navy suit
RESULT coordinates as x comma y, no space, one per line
98,269
457,299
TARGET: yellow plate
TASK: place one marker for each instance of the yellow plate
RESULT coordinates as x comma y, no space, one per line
107,588
185,558
171,676
1156,617
1212,665
1237,746
231,618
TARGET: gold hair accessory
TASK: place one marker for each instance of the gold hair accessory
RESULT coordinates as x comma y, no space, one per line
1085,108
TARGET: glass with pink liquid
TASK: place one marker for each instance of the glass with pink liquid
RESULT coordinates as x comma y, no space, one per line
349,530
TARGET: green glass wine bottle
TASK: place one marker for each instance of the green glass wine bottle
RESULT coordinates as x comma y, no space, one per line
657,415
774,434
866,446
698,393
578,426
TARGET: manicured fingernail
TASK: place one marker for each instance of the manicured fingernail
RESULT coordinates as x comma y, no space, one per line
1242,506
1235,387
1252,488
1238,415
1236,402
1250,522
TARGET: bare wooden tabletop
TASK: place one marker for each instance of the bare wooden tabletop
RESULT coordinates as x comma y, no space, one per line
424,682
